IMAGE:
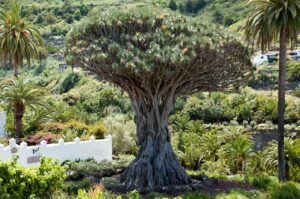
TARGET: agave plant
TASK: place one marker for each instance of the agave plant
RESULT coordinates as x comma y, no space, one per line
17,95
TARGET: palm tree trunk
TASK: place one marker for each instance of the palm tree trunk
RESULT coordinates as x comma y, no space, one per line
16,70
281,104
19,113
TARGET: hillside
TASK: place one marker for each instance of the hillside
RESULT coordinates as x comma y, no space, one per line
224,12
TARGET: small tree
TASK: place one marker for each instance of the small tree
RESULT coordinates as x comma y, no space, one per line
181,8
218,17
189,6
173,5
17,95
50,19
200,4
155,56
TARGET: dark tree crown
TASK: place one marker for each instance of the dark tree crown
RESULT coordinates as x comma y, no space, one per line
157,49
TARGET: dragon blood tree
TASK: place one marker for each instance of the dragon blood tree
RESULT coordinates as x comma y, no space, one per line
155,55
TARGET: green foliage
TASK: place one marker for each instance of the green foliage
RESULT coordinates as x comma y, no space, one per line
192,6
40,182
263,182
51,48
69,18
296,92
73,187
264,24
152,34
244,106
237,151
69,82
238,194
292,156
77,15
19,39
215,108
17,95
98,130
266,109
228,21
218,17
192,195
39,19
122,128
84,10
293,71
173,5
287,190
79,172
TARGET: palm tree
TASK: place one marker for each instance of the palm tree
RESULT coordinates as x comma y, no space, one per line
17,95
19,39
270,21
238,151
292,156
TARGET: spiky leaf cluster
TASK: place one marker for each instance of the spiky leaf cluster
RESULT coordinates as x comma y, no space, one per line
155,50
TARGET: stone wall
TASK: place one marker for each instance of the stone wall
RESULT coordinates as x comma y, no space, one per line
2,123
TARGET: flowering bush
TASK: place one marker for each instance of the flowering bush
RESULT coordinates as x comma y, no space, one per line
37,138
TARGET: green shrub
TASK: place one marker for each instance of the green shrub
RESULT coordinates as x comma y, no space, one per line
52,49
292,111
289,190
296,92
123,131
195,195
69,82
238,194
266,109
84,10
3,141
263,182
98,130
97,192
77,15
54,127
40,182
69,18
39,19
72,187
59,31
293,71
215,108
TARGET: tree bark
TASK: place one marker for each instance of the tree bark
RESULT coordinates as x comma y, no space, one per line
156,163
19,113
16,70
281,104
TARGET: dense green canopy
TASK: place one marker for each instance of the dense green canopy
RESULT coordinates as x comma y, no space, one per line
148,44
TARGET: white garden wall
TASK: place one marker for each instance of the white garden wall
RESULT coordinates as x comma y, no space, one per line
2,123
30,155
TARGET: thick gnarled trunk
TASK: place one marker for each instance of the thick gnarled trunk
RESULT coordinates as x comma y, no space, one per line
156,163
